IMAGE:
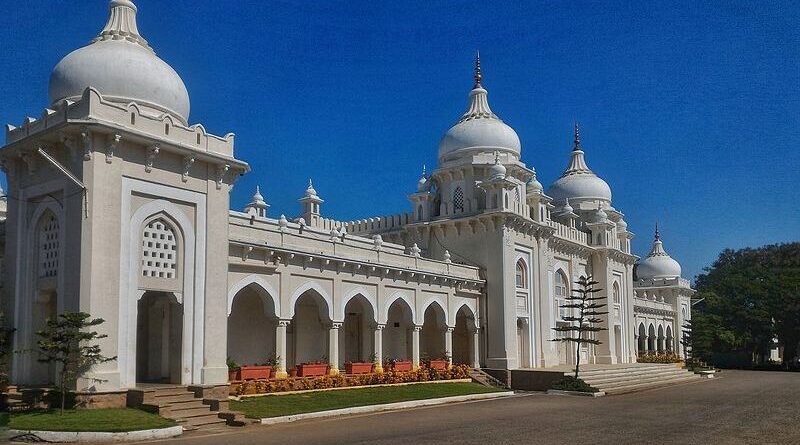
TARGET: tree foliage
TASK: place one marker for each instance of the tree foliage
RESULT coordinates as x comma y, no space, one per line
749,297
69,342
584,312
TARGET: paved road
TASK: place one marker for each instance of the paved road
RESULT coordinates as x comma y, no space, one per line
738,407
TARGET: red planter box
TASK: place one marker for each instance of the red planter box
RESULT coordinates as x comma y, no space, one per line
438,364
400,366
255,372
234,374
312,369
358,368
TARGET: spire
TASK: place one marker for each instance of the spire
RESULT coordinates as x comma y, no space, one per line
577,163
424,171
658,245
478,98
121,24
478,75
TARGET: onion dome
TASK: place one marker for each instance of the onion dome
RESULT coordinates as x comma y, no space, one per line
257,200
567,208
479,129
657,264
578,181
121,65
622,226
497,171
534,186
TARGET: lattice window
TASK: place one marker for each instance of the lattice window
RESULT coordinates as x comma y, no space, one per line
159,250
48,246
561,295
617,299
521,278
458,199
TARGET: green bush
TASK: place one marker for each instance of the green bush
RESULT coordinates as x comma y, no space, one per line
658,357
570,383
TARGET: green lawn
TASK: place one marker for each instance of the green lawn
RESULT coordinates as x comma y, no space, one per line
276,405
102,420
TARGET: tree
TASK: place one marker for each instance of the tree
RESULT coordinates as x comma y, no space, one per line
749,297
5,349
587,305
69,342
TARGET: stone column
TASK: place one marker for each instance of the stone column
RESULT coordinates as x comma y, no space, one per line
448,344
379,347
476,340
333,347
280,349
415,347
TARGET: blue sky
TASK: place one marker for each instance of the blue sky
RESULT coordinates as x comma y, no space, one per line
688,110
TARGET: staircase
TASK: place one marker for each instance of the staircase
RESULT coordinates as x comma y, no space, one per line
185,406
622,379
479,376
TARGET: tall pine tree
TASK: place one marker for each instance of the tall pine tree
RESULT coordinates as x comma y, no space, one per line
583,309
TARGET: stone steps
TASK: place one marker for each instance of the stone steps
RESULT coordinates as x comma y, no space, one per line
479,376
184,405
624,379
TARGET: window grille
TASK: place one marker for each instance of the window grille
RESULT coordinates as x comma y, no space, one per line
159,250
48,247
458,199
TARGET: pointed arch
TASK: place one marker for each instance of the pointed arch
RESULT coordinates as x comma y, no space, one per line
439,308
521,274
317,291
263,288
352,293
404,298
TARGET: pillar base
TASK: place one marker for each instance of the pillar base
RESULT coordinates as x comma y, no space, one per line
378,369
281,375
334,371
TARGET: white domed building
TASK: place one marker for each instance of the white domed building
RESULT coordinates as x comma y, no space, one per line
122,208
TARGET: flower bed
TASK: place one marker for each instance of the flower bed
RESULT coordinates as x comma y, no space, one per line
341,381
658,357
358,367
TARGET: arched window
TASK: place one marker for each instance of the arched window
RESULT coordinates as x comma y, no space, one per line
47,246
458,200
419,213
516,195
561,293
494,201
521,275
615,292
159,250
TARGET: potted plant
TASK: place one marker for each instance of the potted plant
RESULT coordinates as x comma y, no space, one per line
358,367
312,369
234,371
441,362
398,365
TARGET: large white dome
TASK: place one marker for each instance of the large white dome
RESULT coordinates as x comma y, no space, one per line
479,130
657,264
579,181
120,64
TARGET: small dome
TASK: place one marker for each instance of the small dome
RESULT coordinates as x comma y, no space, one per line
479,129
657,264
622,226
534,186
310,191
422,184
578,181
497,171
120,64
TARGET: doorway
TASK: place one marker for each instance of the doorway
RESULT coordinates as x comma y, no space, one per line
159,333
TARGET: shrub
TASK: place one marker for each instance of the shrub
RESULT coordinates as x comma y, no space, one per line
658,357
342,381
570,383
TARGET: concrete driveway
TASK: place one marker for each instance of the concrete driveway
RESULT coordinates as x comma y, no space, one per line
738,407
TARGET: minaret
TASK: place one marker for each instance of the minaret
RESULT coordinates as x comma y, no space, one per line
310,203
257,206
577,163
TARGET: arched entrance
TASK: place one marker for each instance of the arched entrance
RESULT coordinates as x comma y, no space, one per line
397,334
661,339
357,338
642,340
432,341
463,337
651,339
309,329
670,339
251,326
159,333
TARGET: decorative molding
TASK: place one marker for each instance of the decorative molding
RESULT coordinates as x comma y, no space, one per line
86,139
187,165
112,147
222,170
152,153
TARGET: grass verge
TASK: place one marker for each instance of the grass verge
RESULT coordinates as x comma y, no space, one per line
98,420
277,405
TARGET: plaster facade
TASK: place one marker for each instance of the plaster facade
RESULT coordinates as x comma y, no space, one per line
119,208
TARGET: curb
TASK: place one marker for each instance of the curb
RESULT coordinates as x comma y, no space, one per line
559,392
383,407
88,436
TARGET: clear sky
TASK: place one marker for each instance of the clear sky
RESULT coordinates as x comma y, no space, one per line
689,111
